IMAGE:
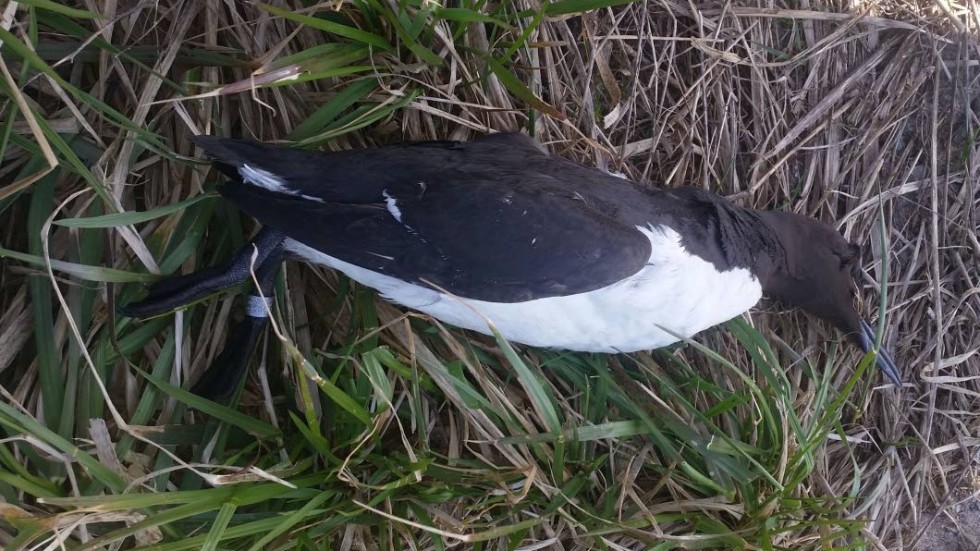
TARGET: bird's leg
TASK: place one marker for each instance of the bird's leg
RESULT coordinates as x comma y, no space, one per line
223,375
174,292
264,255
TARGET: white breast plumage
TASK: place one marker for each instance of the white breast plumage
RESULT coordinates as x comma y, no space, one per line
674,290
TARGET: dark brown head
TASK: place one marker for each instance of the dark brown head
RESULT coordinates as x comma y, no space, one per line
817,273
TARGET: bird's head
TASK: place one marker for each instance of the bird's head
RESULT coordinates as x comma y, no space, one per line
817,272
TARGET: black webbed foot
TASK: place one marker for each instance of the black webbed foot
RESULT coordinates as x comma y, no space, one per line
223,374
176,291
173,292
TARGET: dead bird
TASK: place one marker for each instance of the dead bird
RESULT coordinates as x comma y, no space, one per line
553,253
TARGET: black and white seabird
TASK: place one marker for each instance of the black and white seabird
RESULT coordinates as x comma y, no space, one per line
553,253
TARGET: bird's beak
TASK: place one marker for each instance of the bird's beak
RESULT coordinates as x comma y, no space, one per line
884,360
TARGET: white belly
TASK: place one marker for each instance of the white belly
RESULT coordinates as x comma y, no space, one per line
675,290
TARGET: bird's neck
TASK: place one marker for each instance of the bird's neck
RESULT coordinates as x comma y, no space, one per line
751,241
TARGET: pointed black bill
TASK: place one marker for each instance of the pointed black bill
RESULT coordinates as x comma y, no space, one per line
883,360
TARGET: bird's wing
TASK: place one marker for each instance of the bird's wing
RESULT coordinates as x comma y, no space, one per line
360,175
486,227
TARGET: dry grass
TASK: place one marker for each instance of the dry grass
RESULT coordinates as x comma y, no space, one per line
858,113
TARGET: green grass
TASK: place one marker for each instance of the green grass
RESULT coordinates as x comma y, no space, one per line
411,436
